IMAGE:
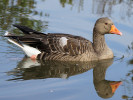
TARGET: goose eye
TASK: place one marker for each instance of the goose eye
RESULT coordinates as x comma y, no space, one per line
106,23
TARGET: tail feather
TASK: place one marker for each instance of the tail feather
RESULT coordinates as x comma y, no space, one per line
13,39
29,50
27,39
26,30
16,43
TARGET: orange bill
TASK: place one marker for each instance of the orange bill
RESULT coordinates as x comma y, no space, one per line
115,85
114,30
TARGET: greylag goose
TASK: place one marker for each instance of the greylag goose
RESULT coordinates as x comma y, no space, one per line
65,47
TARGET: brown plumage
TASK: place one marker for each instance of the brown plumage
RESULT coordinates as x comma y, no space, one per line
66,47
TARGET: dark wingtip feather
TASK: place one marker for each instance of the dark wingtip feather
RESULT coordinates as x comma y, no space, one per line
14,25
26,30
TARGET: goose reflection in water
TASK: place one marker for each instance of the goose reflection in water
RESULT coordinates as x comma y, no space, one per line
104,88
28,69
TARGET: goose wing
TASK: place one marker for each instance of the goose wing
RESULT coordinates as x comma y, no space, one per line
52,42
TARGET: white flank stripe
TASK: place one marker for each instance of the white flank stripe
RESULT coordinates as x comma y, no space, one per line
63,41
15,43
30,50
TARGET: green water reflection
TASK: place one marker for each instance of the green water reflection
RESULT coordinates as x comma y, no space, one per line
19,11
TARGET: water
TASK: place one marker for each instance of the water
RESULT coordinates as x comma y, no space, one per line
23,79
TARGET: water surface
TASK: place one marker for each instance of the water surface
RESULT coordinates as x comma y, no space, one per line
22,78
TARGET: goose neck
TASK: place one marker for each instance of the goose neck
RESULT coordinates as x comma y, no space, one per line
99,43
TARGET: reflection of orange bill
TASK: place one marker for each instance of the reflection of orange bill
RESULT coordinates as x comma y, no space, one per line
114,30
115,85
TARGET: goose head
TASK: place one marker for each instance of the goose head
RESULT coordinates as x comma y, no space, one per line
106,26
